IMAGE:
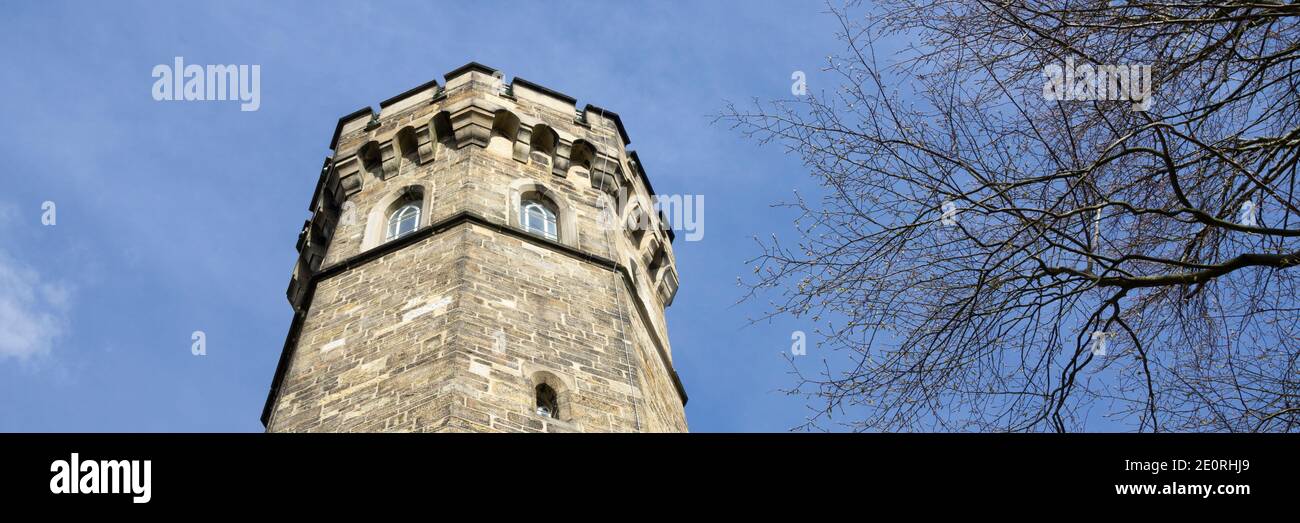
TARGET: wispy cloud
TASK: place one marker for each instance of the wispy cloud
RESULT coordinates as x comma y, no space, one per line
33,311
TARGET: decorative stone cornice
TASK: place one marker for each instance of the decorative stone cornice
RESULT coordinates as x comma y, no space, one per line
472,125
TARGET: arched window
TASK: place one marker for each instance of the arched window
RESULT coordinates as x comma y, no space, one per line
538,217
403,221
548,403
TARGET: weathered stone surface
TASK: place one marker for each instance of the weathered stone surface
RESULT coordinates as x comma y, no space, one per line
455,329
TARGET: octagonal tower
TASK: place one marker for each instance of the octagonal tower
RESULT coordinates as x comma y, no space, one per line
481,256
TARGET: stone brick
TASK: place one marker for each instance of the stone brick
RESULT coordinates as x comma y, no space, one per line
453,327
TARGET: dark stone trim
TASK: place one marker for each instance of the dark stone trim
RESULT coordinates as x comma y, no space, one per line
645,318
472,66
338,129
544,90
409,92
295,328
286,352
640,170
320,182
622,133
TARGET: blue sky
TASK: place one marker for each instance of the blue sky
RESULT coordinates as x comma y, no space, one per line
174,217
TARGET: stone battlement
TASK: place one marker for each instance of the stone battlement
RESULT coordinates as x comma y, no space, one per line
473,247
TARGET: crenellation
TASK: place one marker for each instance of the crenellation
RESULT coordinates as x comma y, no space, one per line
455,325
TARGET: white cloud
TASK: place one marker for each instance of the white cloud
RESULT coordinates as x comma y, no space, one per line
33,313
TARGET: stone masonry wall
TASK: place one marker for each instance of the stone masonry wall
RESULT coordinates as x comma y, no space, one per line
453,331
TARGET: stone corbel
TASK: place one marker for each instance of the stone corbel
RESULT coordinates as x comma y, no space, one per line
388,158
298,284
667,287
472,125
522,144
651,252
605,175
350,179
560,163
424,143
331,192
604,182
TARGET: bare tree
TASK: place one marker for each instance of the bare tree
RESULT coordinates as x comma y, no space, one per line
992,259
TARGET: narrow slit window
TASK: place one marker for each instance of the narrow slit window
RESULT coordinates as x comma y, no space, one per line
548,404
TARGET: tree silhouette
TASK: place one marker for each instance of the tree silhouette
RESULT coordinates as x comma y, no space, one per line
993,258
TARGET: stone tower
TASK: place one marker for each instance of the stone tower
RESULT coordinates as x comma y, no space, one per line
481,256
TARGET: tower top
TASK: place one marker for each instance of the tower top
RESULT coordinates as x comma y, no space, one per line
431,91
495,257
354,130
